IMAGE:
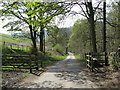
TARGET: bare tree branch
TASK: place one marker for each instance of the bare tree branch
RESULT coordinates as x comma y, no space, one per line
111,24
86,6
97,6
22,17
18,17
74,13
83,11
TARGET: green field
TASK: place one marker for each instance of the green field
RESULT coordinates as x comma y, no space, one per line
11,39
7,49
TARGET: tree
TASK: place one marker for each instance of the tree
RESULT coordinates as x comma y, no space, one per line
113,24
33,15
58,37
53,32
45,13
79,41
104,26
52,10
104,32
20,13
89,12
92,25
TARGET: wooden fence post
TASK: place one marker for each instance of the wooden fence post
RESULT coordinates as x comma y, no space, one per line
85,56
91,63
27,48
37,61
18,46
4,44
106,59
11,46
30,64
22,48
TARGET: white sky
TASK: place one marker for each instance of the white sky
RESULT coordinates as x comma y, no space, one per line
67,22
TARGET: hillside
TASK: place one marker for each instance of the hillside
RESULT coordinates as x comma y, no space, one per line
11,39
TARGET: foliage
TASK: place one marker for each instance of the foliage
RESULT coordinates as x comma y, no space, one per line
114,60
58,35
53,34
31,15
80,35
113,26
58,38
59,49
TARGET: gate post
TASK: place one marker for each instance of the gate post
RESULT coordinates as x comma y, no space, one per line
30,65
106,59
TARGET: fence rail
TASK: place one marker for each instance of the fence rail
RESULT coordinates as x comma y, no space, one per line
94,60
16,46
21,62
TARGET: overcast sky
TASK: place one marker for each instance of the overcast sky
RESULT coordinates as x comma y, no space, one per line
67,22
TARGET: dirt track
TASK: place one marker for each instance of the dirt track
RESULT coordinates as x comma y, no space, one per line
70,73
64,74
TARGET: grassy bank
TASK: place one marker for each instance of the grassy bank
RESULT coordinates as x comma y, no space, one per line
12,39
78,57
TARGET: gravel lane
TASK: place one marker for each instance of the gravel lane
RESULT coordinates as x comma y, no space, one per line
68,73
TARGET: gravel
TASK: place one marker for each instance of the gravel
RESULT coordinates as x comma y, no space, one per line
104,79
12,77
45,84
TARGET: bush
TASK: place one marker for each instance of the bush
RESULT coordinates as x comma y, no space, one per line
49,52
59,49
114,60
32,50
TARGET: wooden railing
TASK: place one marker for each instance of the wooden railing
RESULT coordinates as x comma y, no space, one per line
94,60
22,62
15,46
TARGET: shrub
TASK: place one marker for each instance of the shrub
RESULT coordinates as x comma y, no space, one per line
114,60
59,49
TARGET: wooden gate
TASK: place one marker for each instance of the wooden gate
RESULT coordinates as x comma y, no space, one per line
94,60
20,61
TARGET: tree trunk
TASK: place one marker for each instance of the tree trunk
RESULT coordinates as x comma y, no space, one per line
66,50
104,26
44,43
119,24
33,38
104,32
92,27
41,39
